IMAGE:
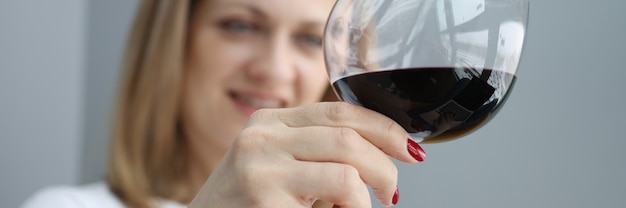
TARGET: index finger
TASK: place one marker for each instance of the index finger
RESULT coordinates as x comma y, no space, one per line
377,128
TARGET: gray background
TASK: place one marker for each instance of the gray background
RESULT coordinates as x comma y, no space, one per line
557,143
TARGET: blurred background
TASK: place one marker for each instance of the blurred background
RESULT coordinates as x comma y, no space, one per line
558,142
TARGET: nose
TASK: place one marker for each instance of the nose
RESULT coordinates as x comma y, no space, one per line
273,62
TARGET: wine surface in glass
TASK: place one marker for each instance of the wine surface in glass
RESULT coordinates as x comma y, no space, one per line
432,104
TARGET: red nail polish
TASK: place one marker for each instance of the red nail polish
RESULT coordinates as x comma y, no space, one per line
415,150
396,197
336,206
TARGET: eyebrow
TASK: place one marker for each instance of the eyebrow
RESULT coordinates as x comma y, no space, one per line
253,9
260,13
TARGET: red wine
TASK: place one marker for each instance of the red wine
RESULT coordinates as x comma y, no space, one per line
434,104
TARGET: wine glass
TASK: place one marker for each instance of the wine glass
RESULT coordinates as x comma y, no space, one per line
439,68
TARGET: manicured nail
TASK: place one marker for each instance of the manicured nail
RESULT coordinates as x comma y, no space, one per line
396,197
336,206
415,150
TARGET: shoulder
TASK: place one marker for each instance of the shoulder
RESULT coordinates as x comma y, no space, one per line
92,196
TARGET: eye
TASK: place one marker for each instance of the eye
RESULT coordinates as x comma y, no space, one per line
311,40
237,26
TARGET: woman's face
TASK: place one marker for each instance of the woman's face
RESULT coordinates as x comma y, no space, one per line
243,55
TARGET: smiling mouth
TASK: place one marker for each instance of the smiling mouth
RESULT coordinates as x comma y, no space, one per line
256,102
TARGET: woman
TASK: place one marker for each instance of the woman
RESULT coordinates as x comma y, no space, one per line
228,90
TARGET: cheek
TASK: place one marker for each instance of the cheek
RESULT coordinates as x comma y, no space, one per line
218,59
207,72
314,83
211,70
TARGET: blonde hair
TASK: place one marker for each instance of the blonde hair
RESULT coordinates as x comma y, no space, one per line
146,156
147,152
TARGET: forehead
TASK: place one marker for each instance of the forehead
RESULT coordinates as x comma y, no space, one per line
284,10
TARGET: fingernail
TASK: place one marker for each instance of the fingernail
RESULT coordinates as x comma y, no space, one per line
336,206
396,197
415,150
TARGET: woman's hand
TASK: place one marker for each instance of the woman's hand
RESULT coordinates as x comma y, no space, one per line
294,156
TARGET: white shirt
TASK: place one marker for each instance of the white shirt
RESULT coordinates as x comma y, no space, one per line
95,195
